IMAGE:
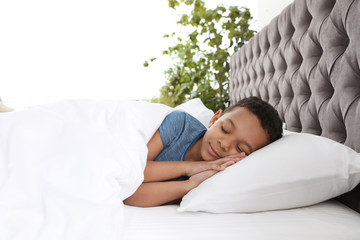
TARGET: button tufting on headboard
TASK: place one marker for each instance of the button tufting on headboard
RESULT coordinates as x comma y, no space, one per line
306,64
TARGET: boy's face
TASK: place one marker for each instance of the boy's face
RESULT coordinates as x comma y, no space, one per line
234,132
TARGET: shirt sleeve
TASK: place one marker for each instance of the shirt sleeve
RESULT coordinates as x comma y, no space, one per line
172,127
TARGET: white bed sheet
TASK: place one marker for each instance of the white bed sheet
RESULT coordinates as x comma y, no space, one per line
325,221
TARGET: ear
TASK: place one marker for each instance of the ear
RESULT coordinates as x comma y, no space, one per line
214,118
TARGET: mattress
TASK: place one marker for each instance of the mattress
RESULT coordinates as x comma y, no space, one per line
329,220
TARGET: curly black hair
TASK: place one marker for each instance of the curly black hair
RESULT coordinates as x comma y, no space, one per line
267,115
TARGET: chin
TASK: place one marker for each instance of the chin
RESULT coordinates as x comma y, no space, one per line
205,157
209,157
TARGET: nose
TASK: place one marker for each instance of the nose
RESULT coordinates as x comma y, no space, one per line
224,145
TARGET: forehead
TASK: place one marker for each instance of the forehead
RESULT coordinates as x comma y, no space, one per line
240,113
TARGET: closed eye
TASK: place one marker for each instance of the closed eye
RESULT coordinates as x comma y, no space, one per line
223,129
239,149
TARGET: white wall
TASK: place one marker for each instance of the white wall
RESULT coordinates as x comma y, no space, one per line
268,9
53,50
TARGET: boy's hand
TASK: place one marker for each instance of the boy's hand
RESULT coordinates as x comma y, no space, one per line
198,178
194,167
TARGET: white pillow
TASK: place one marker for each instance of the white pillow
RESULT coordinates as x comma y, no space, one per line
197,109
297,170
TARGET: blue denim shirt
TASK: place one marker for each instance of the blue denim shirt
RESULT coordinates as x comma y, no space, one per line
179,131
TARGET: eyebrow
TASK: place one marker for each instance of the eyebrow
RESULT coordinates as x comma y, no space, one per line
246,143
231,122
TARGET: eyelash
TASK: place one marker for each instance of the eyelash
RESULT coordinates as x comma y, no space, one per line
223,129
226,132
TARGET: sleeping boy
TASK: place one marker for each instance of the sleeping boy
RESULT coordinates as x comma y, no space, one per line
183,152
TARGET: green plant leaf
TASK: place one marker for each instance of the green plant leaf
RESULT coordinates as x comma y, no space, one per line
200,61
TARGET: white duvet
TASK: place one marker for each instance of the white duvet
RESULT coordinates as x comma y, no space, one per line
66,167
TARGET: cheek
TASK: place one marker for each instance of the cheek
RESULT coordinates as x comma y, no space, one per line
261,142
205,155
203,152
232,152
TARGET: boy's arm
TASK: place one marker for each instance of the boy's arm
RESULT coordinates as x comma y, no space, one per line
160,171
158,193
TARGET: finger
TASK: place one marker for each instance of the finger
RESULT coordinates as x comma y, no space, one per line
243,155
220,166
211,173
240,155
217,167
227,164
236,157
228,158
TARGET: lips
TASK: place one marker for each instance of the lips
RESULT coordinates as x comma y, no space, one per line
213,152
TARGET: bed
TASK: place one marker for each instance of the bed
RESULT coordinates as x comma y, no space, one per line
306,64
304,186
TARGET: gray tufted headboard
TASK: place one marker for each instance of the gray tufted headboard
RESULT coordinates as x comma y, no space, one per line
306,64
